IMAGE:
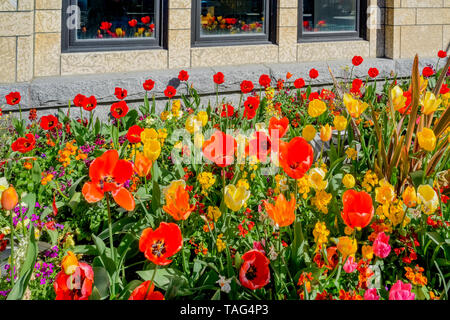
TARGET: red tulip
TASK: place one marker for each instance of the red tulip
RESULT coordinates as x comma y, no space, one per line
134,134
220,149
219,78
13,98
108,174
49,122
254,272
358,208
119,109
296,157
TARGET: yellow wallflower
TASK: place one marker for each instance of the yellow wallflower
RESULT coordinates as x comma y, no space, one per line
213,213
206,180
308,132
221,245
303,186
320,234
166,115
351,153
370,180
385,193
427,139
316,107
321,200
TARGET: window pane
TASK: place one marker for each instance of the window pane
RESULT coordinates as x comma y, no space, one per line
329,15
116,19
231,17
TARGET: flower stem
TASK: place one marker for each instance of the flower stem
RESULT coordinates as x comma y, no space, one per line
11,268
111,244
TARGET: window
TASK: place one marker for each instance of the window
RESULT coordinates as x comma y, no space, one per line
331,19
98,25
225,22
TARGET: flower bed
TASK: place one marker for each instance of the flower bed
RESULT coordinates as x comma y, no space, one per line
290,194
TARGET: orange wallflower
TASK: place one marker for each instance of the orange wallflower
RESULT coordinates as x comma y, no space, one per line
177,204
283,212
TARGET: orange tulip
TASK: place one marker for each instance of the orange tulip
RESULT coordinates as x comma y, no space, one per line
9,198
69,263
177,204
142,165
283,212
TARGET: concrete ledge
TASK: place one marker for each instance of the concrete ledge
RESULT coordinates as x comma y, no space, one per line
55,92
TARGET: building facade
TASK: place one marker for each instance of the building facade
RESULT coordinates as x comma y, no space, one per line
57,41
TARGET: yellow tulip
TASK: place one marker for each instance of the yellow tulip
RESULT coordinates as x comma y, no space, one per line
348,181
192,124
152,149
235,198
325,132
202,117
398,99
316,179
354,107
149,134
308,132
9,199
430,103
340,123
69,263
427,198
316,107
427,139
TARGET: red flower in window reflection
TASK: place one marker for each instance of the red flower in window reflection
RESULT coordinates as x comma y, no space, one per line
322,23
151,27
133,23
145,20
231,20
105,25
305,24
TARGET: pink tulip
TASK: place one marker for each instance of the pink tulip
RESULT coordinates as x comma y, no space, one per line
350,265
381,247
371,294
401,291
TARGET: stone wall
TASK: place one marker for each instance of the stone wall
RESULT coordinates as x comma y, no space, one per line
416,26
30,41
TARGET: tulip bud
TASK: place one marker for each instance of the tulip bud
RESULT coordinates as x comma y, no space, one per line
325,132
9,198
349,181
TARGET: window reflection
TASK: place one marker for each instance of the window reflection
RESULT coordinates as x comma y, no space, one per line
229,17
329,15
116,19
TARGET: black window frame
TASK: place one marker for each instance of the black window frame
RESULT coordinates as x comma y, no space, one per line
359,34
70,44
268,37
